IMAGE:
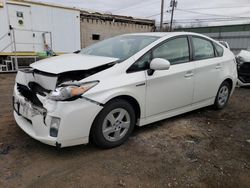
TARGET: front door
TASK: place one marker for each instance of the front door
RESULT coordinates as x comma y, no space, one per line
171,89
20,21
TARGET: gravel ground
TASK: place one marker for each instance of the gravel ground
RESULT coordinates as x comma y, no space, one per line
203,148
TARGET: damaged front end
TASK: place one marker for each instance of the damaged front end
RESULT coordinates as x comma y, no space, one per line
243,67
30,91
44,102
38,86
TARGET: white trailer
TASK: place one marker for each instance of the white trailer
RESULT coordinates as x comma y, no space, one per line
27,27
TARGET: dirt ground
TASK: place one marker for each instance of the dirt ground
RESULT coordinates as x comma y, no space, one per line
204,148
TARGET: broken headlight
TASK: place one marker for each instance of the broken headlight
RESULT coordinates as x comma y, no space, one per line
71,90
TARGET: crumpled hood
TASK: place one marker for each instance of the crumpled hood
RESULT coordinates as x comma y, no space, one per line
71,62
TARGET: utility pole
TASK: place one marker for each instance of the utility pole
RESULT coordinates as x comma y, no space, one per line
161,22
173,4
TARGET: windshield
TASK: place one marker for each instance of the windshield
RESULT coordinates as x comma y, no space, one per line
121,47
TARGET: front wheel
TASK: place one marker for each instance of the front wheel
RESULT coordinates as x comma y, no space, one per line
222,96
114,124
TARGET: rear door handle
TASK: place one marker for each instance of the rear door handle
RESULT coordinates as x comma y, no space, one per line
218,66
189,74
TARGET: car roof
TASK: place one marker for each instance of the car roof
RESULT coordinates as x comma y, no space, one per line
164,34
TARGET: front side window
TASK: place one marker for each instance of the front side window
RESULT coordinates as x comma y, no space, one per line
175,51
203,49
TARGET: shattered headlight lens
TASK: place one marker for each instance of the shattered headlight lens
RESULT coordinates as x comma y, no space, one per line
71,90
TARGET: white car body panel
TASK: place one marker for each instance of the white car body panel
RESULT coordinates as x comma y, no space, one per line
175,112
171,97
44,81
207,74
70,62
182,88
121,86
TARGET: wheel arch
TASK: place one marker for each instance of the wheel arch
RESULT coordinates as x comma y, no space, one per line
131,100
230,81
231,85
135,104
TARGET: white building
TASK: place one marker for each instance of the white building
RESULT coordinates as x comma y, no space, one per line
30,25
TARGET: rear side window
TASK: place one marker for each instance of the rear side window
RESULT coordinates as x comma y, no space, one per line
175,51
203,49
219,50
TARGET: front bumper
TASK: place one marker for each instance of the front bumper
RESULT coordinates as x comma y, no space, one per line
76,118
35,129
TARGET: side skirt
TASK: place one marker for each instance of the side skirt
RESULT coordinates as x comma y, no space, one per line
176,112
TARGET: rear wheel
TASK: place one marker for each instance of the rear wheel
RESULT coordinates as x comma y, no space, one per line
114,124
222,96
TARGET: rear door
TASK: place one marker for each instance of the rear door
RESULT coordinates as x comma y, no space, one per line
208,68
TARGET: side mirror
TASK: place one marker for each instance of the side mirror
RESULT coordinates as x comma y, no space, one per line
159,64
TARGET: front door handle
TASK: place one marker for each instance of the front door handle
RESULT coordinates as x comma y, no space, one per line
218,66
189,74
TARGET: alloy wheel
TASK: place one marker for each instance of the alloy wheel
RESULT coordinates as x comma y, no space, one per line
116,124
223,95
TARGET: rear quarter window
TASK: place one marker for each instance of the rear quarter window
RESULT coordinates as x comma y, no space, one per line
219,50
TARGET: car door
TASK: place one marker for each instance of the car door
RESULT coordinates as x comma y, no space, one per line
170,89
207,69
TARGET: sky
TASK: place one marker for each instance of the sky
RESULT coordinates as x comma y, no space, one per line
188,12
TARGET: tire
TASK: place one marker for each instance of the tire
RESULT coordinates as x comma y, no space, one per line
222,96
114,124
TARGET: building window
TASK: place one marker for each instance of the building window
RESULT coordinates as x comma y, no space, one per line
95,37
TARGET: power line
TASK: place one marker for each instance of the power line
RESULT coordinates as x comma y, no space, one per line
207,8
153,15
209,19
206,21
208,14
211,14
190,11
136,5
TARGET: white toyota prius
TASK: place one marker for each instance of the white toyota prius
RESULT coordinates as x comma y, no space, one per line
105,90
